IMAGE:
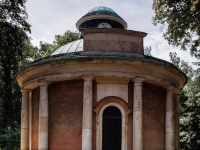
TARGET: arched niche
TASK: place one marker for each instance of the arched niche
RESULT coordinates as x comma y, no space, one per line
122,106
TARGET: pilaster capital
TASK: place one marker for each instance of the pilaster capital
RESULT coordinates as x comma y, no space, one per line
87,78
43,82
25,90
170,87
138,79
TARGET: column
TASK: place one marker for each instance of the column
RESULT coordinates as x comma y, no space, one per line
25,120
43,116
177,128
87,113
30,118
169,120
137,114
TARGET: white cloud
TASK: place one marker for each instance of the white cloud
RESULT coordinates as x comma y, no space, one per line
161,48
50,18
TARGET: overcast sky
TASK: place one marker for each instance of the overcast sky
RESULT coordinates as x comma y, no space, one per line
53,17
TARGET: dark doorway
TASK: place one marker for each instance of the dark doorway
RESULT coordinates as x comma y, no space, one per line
112,129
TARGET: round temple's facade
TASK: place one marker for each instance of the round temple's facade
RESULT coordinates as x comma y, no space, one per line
101,92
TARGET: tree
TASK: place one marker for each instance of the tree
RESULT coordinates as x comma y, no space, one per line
13,37
189,106
46,49
182,19
16,52
190,116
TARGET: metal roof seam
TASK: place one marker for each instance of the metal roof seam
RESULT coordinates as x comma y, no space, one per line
78,44
70,45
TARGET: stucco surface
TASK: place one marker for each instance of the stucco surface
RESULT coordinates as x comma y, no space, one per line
118,90
65,115
113,40
35,117
153,117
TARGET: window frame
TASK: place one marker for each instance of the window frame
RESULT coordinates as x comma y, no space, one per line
122,106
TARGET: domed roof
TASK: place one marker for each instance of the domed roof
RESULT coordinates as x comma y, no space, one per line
102,10
77,46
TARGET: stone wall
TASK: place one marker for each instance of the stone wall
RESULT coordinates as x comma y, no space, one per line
65,115
113,40
153,117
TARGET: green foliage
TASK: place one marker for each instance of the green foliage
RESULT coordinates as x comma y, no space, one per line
189,106
46,49
182,19
182,65
190,116
16,52
148,49
11,137
13,37
67,37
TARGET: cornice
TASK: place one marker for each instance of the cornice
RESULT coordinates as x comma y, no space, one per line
114,18
154,71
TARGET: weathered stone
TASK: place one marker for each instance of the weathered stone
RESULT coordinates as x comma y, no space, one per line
43,117
25,120
24,139
169,120
118,90
87,113
137,115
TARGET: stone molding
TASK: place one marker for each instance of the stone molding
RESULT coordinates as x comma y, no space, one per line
87,78
138,79
122,106
113,30
112,99
43,82
170,87
25,91
28,79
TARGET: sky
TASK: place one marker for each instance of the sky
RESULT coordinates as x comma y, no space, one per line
53,17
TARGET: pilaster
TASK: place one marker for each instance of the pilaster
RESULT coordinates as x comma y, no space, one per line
87,113
25,120
43,116
169,120
137,115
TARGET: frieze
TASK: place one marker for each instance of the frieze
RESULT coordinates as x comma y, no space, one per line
113,46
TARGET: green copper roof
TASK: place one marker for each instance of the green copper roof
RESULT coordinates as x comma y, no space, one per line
102,10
